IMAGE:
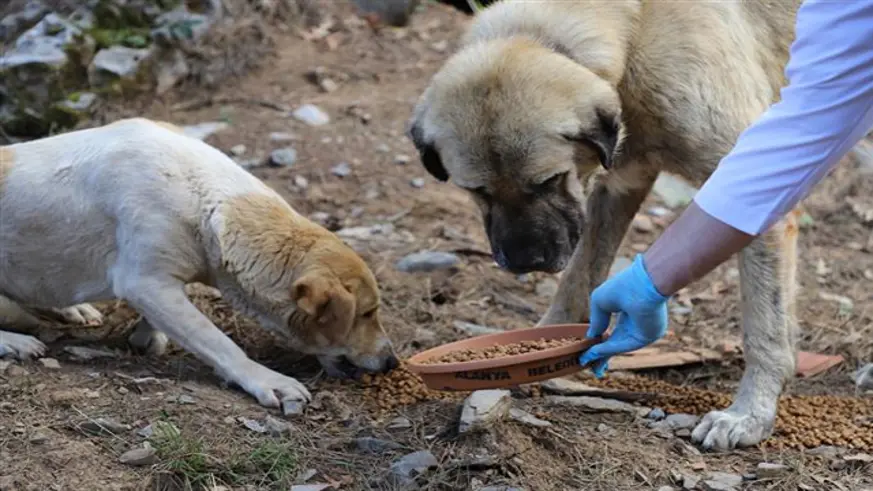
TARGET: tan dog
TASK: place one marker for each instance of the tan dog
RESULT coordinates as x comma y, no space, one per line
557,117
135,210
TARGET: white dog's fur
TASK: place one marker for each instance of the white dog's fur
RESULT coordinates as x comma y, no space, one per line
135,210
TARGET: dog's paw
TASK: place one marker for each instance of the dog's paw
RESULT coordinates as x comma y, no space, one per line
20,346
271,388
147,340
83,313
729,429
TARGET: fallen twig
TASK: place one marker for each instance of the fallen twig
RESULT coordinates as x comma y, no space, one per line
199,104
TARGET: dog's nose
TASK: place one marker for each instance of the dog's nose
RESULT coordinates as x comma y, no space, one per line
391,363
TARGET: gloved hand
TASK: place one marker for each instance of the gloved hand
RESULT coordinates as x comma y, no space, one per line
642,315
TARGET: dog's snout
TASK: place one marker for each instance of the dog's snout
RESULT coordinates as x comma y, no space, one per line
522,260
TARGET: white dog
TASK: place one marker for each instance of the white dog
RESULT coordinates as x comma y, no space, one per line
135,210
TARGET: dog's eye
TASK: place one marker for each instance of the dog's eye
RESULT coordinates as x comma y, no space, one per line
553,181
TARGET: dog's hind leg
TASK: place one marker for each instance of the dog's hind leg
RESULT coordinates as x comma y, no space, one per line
18,345
767,280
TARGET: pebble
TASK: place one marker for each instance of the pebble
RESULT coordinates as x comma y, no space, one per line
666,488
417,183
50,363
399,423
282,137
825,451
689,481
673,190
402,159
595,404
383,148
547,288
38,438
656,414
283,157
301,182
726,479
101,426
483,408
311,487
527,418
863,377
276,426
475,329
342,169
4,364
427,261
238,150
565,386
293,408
252,425
311,115
116,62
375,445
202,131
682,421
141,456
406,468
643,224
768,470
84,353
717,486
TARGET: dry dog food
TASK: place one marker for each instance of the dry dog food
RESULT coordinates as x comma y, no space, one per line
501,351
802,421
399,387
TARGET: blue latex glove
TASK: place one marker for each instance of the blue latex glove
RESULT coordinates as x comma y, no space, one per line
642,315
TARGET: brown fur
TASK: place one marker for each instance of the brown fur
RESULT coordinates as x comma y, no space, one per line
606,95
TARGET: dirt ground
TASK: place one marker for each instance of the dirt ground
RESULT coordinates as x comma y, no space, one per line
43,445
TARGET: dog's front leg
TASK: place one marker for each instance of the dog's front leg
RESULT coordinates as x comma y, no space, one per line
608,215
767,281
165,306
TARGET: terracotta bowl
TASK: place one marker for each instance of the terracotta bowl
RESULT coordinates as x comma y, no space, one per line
507,371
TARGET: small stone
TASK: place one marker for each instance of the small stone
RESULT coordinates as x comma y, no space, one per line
311,115
666,488
141,456
383,148
683,433
116,62
709,485
375,445
252,425
301,182
185,399
594,404
402,159
656,414
293,408
282,137
547,288
825,451
38,438
726,479
417,183
21,19
102,426
84,353
689,481
406,468
311,487
170,69
82,102
427,261
327,85
4,364
565,386
399,423
863,377
238,150
525,417
50,363
440,46
482,408
283,157
643,224
767,470
673,190
202,131
276,426
471,329
342,169
660,211
682,421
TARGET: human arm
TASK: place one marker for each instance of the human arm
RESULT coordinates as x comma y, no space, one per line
826,108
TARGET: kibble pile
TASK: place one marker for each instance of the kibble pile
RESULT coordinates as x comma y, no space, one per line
802,422
501,351
399,387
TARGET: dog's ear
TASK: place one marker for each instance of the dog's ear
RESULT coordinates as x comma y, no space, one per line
428,154
325,299
604,136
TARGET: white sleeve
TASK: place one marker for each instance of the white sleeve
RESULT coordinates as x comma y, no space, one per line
825,109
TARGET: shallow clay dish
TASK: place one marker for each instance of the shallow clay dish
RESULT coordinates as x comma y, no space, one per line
507,371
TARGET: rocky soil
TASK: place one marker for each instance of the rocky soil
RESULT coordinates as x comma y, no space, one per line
319,113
